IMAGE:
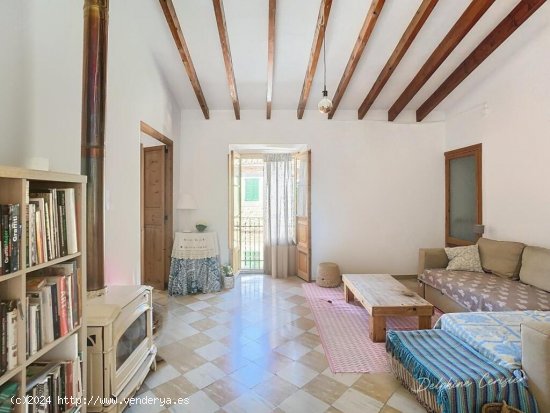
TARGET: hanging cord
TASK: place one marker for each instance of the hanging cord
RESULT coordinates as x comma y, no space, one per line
324,63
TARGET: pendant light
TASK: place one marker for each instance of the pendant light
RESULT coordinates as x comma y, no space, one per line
325,104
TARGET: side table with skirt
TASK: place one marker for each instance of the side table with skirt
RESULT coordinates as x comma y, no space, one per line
195,266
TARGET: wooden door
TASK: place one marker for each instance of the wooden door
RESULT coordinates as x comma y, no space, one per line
234,218
154,254
303,215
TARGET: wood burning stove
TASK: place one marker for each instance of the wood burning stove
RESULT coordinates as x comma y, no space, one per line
120,345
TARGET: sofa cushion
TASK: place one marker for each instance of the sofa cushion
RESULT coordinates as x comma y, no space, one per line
502,258
535,267
464,258
486,292
535,347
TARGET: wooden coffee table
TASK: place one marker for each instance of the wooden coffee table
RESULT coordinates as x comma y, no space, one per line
383,296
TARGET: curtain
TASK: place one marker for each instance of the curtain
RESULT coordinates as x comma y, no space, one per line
279,215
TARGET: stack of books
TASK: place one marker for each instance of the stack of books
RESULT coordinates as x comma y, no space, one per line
51,225
10,236
8,334
53,304
54,387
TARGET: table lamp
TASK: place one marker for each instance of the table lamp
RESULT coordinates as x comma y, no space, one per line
186,202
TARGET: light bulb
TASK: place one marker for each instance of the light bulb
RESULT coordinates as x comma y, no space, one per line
325,104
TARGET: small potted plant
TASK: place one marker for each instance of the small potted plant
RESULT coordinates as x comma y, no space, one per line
228,277
201,226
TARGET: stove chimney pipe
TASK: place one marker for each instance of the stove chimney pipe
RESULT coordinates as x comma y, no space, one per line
94,79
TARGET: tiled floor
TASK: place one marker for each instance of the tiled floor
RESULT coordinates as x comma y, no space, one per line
255,349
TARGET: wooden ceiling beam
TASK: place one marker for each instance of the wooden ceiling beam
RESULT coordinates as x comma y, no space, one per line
360,44
177,34
417,22
464,24
506,27
270,55
226,51
318,39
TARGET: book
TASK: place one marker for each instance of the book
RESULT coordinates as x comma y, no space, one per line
7,392
34,339
15,234
41,233
11,334
62,224
3,337
5,238
32,250
70,220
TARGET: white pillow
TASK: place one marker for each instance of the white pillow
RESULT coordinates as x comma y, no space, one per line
464,259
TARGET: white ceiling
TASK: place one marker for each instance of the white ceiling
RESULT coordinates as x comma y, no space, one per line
247,22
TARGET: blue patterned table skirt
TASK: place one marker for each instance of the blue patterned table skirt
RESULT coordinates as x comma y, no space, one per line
190,276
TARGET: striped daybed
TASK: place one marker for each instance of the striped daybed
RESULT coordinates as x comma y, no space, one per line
456,369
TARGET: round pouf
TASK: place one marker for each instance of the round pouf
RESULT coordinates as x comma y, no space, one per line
328,275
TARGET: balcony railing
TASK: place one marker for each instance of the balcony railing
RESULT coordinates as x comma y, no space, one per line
252,243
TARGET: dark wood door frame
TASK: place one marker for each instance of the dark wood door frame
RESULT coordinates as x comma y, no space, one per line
168,201
476,151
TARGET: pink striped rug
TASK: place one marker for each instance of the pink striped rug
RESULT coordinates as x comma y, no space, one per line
344,331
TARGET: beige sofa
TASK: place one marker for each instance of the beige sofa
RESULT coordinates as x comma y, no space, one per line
516,277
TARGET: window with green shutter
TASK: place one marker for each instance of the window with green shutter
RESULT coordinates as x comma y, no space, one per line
252,189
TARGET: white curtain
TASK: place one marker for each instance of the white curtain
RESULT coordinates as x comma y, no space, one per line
279,215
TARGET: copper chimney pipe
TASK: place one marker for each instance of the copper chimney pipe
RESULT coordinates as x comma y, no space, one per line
94,79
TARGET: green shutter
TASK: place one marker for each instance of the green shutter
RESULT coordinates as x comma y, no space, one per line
252,189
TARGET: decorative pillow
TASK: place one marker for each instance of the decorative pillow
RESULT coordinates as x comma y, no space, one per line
464,259
502,258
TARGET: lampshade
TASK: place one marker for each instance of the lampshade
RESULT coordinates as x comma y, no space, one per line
186,201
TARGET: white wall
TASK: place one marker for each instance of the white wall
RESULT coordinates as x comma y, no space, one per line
508,111
136,91
14,116
377,188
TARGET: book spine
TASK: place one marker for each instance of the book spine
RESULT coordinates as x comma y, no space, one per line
39,239
49,238
62,222
33,347
63,318
33,258
4,338
55,225
76,298
55,310
15,234
6,239
12,338
48,314
28,260
70,211
70,302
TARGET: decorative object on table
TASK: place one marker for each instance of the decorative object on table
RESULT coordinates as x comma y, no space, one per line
328,275
195,266
201,226
499,408
186,202
228,277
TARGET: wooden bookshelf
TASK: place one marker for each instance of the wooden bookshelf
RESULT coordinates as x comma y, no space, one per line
13,190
